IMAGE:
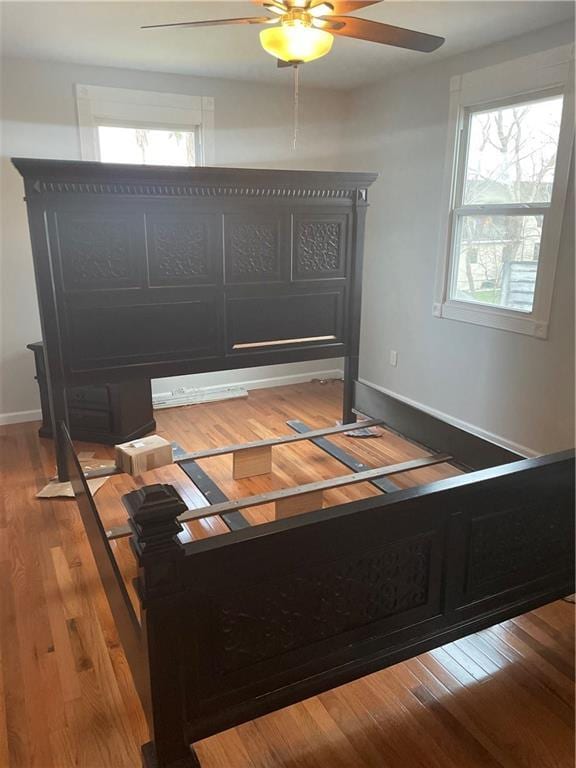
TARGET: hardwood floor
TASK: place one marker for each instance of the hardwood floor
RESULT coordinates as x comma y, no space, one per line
502,697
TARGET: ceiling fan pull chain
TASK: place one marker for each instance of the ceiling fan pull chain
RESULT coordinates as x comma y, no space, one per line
296,105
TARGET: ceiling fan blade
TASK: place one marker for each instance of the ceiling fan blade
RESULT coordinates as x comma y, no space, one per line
375,32
276,7
216,22
346,6
321,9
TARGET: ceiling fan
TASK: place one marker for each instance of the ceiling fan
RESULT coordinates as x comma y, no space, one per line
303,30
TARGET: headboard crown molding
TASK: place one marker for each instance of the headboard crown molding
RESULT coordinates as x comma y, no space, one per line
83,177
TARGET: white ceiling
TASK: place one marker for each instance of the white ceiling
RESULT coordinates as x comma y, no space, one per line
108,34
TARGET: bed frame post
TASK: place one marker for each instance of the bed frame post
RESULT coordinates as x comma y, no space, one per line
153,511
351,361
47,304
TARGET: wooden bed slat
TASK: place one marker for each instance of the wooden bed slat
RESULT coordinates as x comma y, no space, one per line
321,485
285,493
210,452
91,474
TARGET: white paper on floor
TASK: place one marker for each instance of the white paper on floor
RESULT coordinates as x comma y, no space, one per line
54,489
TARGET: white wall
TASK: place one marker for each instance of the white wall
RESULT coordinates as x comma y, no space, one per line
253,129
513,386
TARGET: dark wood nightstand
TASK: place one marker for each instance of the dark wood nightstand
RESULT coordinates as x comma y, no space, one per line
108,413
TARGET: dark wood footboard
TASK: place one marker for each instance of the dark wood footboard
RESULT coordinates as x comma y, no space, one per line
240,624
323,599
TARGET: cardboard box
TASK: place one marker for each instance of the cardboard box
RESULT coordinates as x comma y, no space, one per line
143,454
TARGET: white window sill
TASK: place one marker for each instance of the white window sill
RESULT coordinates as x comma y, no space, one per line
492,317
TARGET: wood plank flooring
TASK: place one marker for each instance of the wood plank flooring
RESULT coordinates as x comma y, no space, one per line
502,697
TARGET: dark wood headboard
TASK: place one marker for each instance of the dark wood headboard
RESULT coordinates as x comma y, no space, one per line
146,271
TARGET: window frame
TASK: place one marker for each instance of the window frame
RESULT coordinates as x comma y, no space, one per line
123,107
526,79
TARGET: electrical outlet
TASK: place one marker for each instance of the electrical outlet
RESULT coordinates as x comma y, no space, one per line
393,358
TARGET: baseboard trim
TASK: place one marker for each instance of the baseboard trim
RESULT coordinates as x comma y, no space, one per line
164,399
523,450
19,417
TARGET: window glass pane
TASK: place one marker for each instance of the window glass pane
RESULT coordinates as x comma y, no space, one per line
512,153
146,146
496,260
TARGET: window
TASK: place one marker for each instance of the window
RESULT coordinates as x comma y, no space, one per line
144,127
506,185
149,146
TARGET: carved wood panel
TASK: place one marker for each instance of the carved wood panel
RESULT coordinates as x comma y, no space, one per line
253,248
515,543
100,249
183,248
316,603
319,246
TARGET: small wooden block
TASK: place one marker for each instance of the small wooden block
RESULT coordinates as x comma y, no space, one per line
253,461
297,505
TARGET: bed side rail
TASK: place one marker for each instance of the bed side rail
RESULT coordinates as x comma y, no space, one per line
260,618
467,449
127,624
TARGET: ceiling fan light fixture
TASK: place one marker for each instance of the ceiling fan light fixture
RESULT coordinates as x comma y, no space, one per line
296,42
